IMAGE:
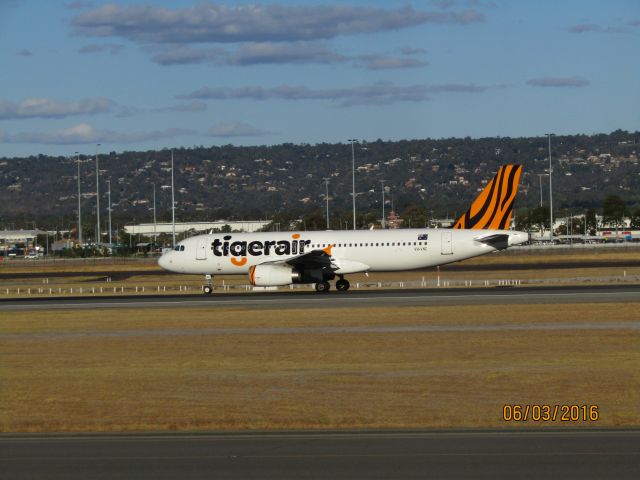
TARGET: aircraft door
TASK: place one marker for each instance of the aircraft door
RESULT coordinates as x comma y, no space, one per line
201,249
447,242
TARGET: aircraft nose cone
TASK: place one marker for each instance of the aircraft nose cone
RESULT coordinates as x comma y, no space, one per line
163,261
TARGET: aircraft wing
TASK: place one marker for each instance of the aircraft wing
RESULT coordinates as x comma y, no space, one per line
314,258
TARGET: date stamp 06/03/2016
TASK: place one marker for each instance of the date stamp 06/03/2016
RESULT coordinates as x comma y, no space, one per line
550,413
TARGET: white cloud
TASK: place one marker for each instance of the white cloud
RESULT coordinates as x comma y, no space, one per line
249,54
195,106
255,53
382,93
211,23
112,48
84,133
269,52
45,108
376,94
591,27
379,62
567,82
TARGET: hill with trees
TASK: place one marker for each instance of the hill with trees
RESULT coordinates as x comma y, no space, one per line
422,179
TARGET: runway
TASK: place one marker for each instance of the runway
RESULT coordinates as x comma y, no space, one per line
567,454
452,267
368,298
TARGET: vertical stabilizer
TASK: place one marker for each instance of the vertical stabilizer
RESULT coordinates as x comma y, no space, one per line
493,208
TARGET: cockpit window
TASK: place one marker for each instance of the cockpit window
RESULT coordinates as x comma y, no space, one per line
179,248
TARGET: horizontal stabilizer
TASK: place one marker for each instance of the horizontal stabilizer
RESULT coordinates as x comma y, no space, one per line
499,241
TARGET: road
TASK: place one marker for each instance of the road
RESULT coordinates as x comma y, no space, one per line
368,298
567,454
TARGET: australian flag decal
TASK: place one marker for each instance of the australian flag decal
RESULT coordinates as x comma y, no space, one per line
424,236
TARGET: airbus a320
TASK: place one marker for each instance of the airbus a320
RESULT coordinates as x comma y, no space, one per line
319,257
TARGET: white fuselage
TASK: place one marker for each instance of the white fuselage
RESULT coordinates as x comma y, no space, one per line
350,251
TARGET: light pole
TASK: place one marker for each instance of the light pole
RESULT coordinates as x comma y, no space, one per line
97,198
353,178
540,179
326,196
173,204
550,189
79,214
155,234
109,199
382,188
540,175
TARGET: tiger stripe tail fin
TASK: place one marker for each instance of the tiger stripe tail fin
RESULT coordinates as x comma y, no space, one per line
493,208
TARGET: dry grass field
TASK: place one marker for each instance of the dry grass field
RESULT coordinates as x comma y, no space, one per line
228,368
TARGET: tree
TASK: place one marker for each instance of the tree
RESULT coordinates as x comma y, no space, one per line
414,216
614,210
635,218
539,216
592,221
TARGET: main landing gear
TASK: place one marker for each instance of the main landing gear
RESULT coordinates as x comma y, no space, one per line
207,288
342,285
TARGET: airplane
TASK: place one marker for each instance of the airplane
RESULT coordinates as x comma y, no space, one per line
317,257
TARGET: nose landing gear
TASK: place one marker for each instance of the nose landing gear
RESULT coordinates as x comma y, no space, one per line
207,289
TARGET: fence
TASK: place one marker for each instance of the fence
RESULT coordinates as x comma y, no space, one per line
172,289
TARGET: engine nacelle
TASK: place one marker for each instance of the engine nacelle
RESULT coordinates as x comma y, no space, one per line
272,275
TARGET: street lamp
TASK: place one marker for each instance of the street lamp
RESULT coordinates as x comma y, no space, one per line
540,175
326,196
79,214
382,188
550,189
173,204
353,178
97,197
109,199
155,234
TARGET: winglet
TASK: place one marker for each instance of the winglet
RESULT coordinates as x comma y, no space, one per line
493,208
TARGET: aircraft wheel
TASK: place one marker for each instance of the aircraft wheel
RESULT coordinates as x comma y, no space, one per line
322,287
207,289
342,285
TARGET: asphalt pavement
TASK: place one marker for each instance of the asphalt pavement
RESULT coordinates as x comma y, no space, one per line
566,454
354,298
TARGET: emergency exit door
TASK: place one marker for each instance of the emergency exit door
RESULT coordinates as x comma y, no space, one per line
446,247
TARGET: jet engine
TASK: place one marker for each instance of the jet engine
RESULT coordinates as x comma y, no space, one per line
272,275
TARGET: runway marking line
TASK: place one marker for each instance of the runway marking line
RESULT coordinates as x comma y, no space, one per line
105,304
320,435
526,453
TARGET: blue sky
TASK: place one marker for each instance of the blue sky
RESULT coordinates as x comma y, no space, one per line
146,75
